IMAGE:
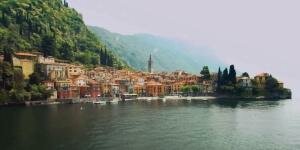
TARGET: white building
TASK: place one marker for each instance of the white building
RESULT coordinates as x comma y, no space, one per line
245,82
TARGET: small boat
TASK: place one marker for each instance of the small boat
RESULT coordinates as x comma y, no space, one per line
99,102
164,99
188,98
113,101
128,97
149,99
260,97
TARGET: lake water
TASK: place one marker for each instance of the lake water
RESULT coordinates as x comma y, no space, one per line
153,125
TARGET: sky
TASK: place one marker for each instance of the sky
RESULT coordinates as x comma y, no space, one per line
255,35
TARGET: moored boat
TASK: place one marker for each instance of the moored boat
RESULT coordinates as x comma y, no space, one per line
99,102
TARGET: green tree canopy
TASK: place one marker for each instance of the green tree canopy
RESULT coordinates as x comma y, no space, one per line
48,46
271,84
205,73
185,89
245,74
35,78
50,27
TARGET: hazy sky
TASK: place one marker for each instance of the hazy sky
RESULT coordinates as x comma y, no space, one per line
255,35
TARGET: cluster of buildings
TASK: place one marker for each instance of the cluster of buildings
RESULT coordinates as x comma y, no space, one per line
259,80
70,81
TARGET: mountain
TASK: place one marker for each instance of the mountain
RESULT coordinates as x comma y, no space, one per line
53,28
168,54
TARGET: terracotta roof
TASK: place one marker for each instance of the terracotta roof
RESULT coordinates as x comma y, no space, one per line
47,81
113,84
25,54
262,75
92,81
66,81
153,83
55,63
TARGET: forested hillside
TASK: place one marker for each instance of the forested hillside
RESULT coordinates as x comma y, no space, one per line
50,27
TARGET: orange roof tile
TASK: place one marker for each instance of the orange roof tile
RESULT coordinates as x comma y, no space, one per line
25,54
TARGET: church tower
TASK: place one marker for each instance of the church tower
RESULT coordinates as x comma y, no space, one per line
150,63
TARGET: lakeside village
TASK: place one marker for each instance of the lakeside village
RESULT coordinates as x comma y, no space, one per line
35,78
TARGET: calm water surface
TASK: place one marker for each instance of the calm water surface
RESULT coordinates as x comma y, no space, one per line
153,126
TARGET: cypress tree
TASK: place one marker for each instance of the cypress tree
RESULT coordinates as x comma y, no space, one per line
219,82
101,56
109,61
105,56
66,4
225,77
232,75
8,56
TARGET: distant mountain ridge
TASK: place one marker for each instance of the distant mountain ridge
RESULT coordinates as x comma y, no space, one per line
168,54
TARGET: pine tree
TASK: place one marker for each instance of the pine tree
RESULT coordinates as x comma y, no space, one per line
205,73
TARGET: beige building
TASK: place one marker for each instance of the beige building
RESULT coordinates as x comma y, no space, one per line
53,71
261,79
154,89
74,70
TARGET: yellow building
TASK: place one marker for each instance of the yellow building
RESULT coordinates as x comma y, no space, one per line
175,87
26,62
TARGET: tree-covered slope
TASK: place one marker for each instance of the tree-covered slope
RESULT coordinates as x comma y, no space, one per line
168,54
51,27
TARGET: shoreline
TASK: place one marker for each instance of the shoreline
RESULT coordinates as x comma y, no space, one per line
166,98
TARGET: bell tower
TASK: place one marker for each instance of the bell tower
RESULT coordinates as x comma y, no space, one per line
150,63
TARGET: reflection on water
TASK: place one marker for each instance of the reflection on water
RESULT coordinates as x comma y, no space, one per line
221,124
246,104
